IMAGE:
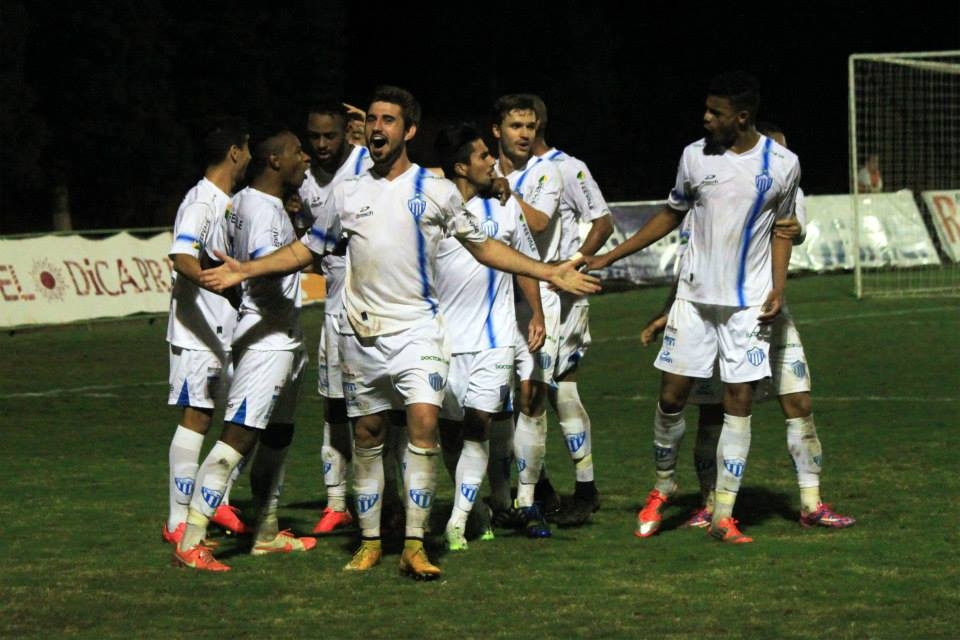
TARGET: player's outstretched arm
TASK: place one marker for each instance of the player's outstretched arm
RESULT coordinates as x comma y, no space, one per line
662,223
780,257
600,230
493,253
286,259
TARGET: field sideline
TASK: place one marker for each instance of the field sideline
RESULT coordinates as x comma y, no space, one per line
85,435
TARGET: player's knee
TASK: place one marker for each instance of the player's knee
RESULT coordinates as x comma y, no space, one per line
797,405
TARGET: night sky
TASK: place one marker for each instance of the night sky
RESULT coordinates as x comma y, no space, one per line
100,96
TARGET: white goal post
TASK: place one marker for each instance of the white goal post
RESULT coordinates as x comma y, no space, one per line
904,118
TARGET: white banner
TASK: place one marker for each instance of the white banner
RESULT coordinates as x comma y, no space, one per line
55,279
944,207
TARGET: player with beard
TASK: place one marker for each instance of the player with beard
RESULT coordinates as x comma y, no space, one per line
268,351
478,305
391,220
732,185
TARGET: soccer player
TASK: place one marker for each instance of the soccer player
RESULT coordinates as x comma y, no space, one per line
392,219
267,347
478,305
537,186
200,325
732,184
333,159
581,201
790,383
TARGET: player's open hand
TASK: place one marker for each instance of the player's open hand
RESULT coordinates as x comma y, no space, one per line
568,277
536,333
771,308
653,329
227,275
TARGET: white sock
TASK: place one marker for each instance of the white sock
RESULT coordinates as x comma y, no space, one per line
394,451
211,483
807,454
237,470
500,462
183,455
732,451
368,487
530,448
468,478
420,483
575,424
668,430
266,484
705,458
334,470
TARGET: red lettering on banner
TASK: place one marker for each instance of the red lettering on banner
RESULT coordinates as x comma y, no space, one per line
156,271
125,277
144,273
946,208
4,282
97,265
16,282
73,268
93,276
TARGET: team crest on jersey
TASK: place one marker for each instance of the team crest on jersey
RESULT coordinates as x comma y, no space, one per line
764,182
184,485
544,360
436,381
799,368
421,497
417,205
735,466
366,501
470,491
490,227
756,356
211,497
575,441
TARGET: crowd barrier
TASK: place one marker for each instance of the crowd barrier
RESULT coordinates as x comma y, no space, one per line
66,278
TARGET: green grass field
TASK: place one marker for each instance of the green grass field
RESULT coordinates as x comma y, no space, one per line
86,430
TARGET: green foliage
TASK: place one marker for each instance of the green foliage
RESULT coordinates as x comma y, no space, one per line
84,471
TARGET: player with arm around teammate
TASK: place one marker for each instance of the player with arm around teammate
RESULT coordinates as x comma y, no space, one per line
732,185
392,219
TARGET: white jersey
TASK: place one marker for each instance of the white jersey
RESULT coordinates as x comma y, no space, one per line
269,317
732,201
393,229
580,201
477,301
314,195
540,185
199,319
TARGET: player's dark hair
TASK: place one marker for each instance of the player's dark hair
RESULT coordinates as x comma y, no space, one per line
741,88
454,144
409,106
328,108
540,108
510,102
265,140
218,135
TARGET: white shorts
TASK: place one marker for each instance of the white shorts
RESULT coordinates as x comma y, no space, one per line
538,366
392,371
574,333
265,388
697,335
330,379
481,380
198,378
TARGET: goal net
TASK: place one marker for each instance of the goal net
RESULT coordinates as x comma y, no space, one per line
905,173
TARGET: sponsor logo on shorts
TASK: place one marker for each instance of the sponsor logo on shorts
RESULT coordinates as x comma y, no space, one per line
710,179
756,356
431,358
184,485
366,501
575,441
665,356
211,497
799,368
470,491
436,381
503,366
669,341
421,497
735,466
543,360
417,205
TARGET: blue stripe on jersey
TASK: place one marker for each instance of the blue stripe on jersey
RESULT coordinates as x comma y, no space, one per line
319,235
187,237
762,187
422,243
358,167
491,285
556,154
523,177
